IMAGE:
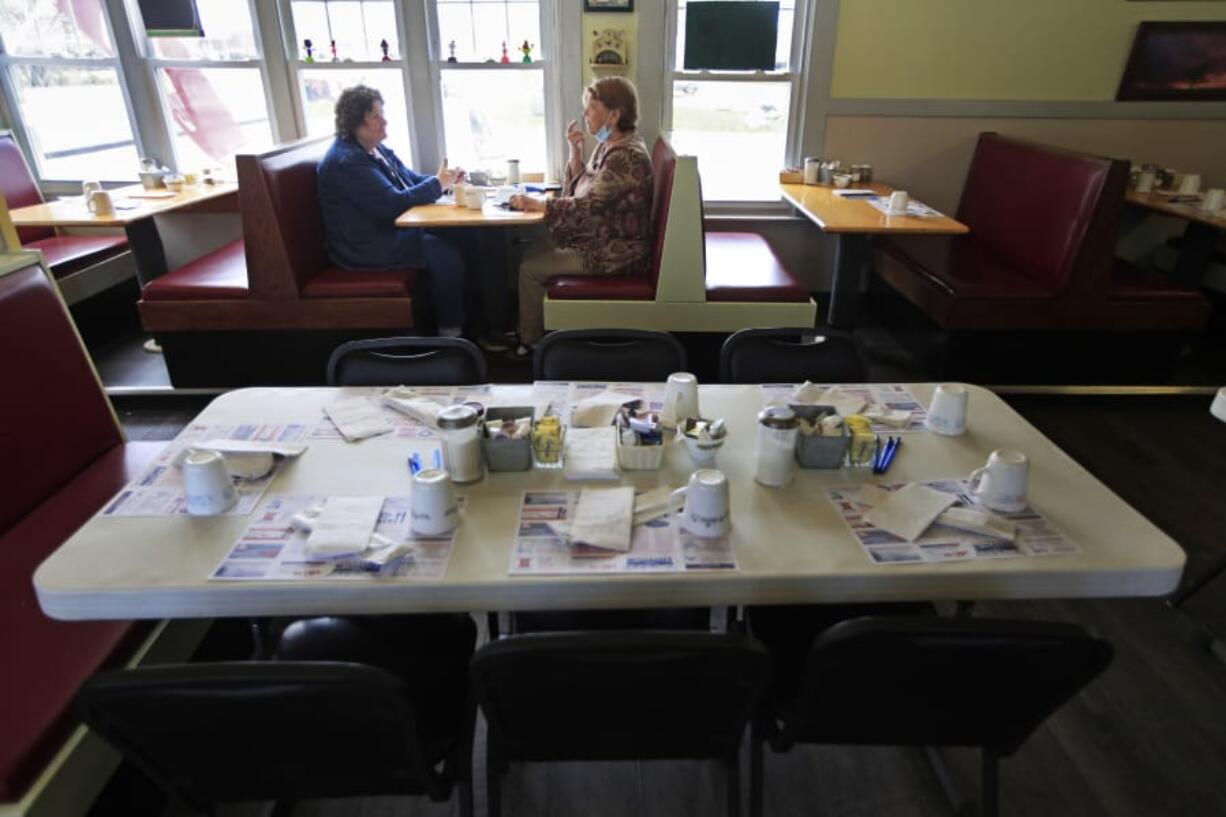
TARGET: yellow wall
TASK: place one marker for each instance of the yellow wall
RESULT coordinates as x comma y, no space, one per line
993,49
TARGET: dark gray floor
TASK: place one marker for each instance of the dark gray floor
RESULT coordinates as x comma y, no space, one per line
1147,738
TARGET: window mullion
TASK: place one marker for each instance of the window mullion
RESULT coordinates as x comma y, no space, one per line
423,102
139,84
274,68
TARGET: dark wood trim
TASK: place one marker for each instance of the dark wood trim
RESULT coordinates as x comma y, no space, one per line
248,315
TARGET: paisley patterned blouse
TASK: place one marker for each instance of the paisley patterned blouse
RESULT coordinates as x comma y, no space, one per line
605,212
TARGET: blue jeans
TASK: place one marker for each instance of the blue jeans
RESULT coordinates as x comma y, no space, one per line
445,266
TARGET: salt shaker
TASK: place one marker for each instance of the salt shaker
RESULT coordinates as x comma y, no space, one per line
512,171
461,444
778,427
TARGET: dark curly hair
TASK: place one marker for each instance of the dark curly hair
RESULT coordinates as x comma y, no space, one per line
352,107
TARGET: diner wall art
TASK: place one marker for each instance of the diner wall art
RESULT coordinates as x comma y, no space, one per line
1176,61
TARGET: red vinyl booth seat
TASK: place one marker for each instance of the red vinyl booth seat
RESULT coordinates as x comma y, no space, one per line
64,457
63,253
1040,252
602,287
338,283
219,275
743,267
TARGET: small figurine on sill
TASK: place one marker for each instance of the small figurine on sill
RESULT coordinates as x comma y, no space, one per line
334,57
310,50
527,50
505,59
451,49
383,46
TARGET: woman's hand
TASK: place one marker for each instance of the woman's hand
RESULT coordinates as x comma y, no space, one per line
574,135
529,204
448,177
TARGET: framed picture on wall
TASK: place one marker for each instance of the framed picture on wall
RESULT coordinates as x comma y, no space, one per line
1176,61
608,5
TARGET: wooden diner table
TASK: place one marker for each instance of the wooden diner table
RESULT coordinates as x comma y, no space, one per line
439,216
791,544
854,223
1199,239
135,216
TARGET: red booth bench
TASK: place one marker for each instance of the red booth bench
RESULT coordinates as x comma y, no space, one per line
64,457
270,308
83,265
1040,252
697,281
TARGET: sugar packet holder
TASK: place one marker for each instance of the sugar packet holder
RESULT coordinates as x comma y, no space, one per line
640,439
823,439
506,437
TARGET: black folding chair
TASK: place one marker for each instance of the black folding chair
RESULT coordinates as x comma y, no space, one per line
209,734
408,361
931,682
608,354
791,356
617,696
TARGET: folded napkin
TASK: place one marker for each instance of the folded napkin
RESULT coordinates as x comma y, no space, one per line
807,393
590,453
343,527
599,409
356,418
652,504
845,404
909,511
252,447
602,518
423,411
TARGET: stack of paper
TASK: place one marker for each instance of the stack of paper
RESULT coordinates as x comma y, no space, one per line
356,418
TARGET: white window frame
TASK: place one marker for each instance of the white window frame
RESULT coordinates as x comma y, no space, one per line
153,63
803,20
16,119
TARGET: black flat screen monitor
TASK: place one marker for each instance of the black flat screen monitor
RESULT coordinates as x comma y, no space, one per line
731,36
170,18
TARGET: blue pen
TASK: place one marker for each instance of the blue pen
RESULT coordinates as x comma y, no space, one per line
438,458
414,463
883,454
896,442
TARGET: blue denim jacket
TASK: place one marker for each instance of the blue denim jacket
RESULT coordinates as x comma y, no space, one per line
360,199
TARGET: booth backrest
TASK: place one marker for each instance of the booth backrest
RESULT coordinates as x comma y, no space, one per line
18,185
1042,209
663,166
279,197
46,442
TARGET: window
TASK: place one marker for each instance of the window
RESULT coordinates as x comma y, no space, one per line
493,102
359,29
212,88
62,72
736,122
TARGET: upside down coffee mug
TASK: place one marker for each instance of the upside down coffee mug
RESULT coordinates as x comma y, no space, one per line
680,398
947,411
207,483
705,507
432,505
1001,483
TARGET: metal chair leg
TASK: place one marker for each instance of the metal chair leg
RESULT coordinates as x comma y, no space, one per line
733,786
991,784
757,772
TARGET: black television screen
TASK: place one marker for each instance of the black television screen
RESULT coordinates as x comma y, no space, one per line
730,36
170,18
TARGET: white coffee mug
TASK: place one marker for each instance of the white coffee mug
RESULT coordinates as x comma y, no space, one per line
89,187
706,509
207,483
1145,182
1001,484
1214,199
1218,407
475,198
432,505
1189,185
898,203
100,204
460,194
680,398
947,411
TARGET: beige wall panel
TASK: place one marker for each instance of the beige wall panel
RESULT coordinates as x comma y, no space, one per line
929,156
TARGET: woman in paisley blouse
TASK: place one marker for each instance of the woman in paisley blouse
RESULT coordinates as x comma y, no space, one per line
601,225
